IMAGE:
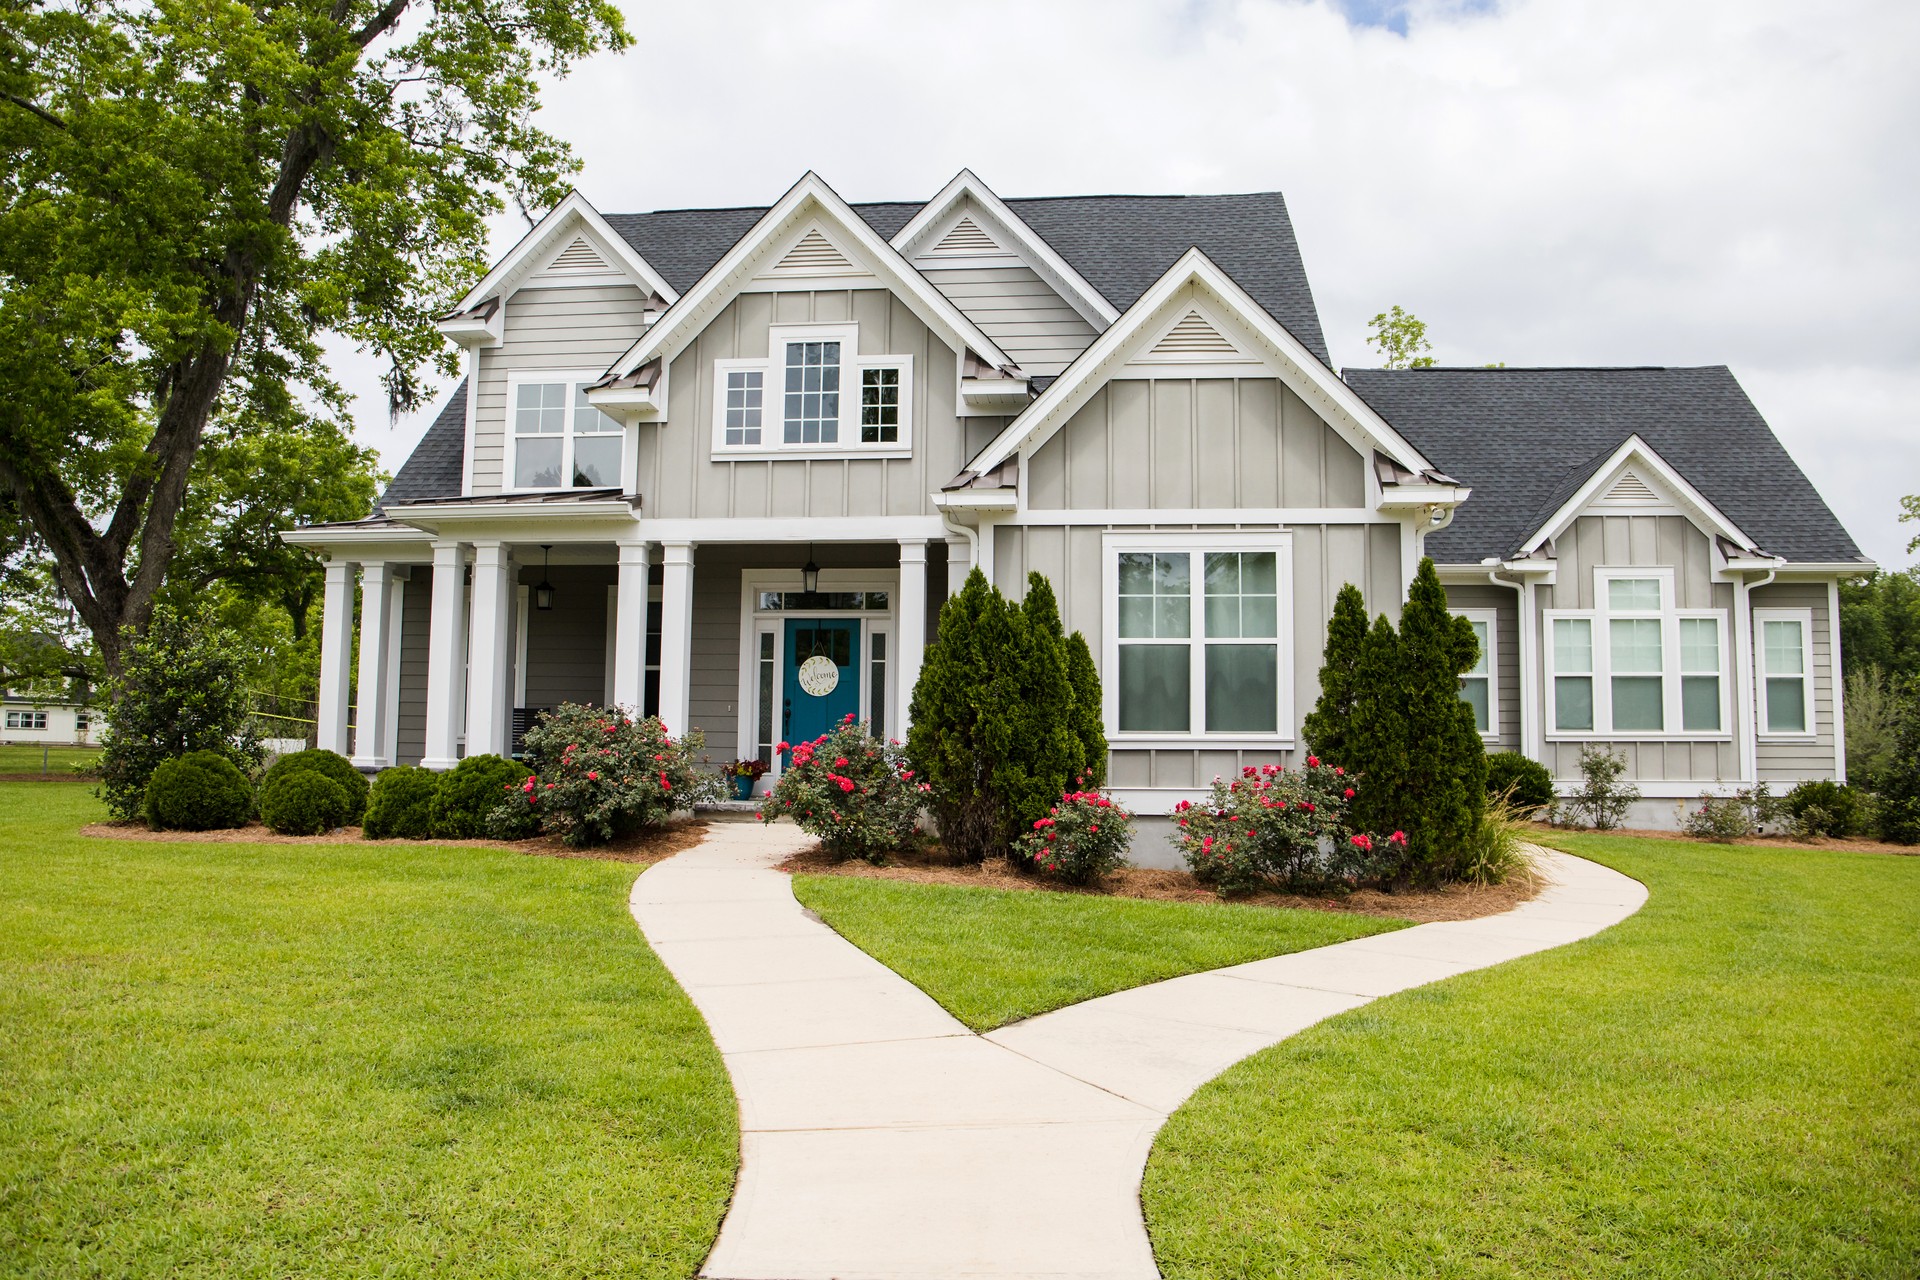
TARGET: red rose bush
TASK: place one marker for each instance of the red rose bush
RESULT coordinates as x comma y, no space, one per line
600,775
1082,838
853,791
1281,828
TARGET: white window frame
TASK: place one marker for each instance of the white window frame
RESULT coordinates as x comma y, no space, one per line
574,378
1804,617
773,366
1281,544
1672,706
1491,617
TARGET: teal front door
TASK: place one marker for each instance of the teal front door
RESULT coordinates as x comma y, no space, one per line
822,682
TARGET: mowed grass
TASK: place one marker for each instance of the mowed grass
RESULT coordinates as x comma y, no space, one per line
334,1060
1724,1084
994,956
58,760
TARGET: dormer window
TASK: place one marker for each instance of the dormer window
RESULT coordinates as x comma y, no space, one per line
829,400
556,440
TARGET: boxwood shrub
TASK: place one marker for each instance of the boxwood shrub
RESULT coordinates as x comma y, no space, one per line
469,792
199,791
329,764
400,804
304,802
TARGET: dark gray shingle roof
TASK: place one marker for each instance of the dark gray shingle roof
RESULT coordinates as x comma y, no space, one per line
1526,439
433,469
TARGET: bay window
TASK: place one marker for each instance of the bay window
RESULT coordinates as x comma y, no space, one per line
825,398
1196,636
1785,661
555,439
1637,666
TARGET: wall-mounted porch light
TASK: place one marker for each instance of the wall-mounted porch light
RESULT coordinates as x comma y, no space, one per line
543,594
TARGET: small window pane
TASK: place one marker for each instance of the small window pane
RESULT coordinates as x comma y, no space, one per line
536,463
1700,704
1155,688
1786,705
1636,645
1243,688
1783,648
1573,702
1474,692
1572,645
1480,633
1699,644
596,462
1633,595
1638,704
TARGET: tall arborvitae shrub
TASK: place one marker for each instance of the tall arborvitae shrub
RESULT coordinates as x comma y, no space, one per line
1048,756
1444,791
1087,715
1377,732
1329,725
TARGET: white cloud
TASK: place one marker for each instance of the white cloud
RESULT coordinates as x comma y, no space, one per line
1605,181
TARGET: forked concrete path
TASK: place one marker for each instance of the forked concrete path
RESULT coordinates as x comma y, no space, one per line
882,1140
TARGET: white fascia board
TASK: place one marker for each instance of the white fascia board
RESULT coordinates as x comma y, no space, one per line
1634,449
560,219
1074,287
811,195
1313,382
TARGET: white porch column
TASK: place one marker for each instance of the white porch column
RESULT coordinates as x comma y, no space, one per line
336,655
912,624
489,647
676,636
630,628
446,656
376,637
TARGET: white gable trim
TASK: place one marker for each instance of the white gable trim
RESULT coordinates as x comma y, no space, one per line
1296,366
809,198
1637,456
549,238
938,216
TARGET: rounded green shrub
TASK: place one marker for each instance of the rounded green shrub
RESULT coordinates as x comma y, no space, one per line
469,792
200,791
328,764
400,804
1824,809
304,802
1531,783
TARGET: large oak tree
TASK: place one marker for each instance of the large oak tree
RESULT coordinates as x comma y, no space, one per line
193,193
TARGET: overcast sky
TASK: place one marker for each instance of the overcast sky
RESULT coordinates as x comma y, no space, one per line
1544,182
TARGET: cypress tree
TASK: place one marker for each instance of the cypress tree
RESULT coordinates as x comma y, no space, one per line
1377,732
1329,725
1087,721
1444,790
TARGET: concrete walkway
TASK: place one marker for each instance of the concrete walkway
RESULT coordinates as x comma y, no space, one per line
882,1139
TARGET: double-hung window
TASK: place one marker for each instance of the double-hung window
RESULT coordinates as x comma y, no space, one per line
1476,686
1783,645
1636,665
556,440
813,394
1197,636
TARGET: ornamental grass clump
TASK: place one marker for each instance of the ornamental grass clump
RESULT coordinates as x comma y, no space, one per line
1082,838
853,791
600,775
1274,827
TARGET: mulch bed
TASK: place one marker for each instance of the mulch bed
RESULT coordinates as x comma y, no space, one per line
932,866
644,849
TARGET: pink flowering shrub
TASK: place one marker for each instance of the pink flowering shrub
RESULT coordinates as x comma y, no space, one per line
855,792
1082,837
1278,827
599,775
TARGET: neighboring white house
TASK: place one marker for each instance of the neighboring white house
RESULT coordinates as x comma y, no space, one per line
695,448
25,720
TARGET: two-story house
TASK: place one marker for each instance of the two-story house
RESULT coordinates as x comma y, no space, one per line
695,450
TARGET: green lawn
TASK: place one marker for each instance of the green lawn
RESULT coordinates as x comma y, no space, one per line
301,1061
28,758
993,956
1726,1084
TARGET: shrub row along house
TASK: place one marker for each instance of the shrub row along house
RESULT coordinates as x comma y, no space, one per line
724,465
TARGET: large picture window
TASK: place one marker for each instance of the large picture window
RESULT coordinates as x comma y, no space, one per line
1196,638
556,440
1783,640
1637,666
821,395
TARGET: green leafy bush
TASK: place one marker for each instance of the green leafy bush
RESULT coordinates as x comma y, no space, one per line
328,764
400,804
852,790
1824,809
470,792
600,775
200,791
182,688
1284,828
304,802
1082,838
1525,782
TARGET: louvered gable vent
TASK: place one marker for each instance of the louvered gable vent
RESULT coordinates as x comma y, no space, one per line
1193,336
814,253
966,237
578,257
